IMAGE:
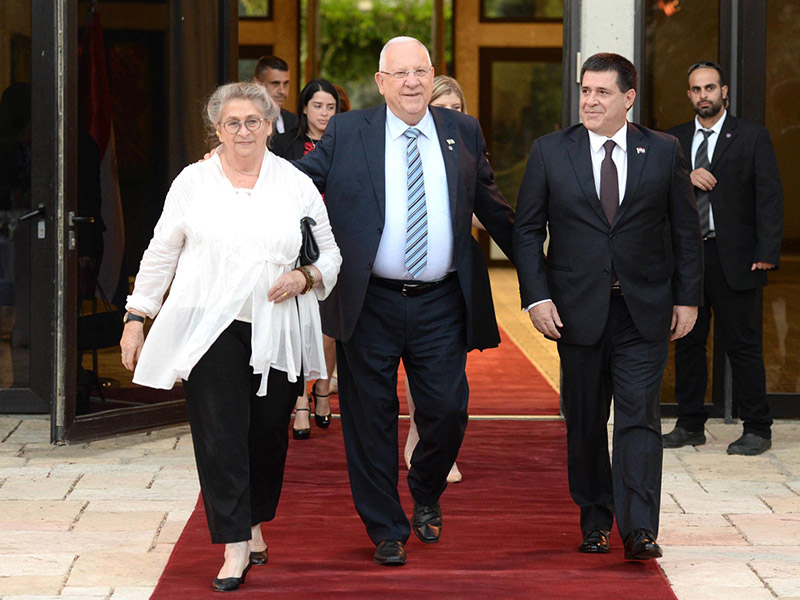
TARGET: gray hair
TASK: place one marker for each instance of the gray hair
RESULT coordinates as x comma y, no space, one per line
242,90
399,40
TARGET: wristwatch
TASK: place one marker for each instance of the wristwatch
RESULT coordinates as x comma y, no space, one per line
129,316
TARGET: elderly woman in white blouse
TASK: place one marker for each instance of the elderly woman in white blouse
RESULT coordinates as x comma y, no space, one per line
241,324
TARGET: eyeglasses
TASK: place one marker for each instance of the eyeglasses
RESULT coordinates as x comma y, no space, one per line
233,127
418,73
704,64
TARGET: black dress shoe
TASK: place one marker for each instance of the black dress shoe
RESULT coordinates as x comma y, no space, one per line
322,421
259,558
683,437
427,522
641,545
301,434
595,541
750,444
390,553
230,583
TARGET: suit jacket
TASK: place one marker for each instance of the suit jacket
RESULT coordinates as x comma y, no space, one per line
747,200
348,166
654,242
289,120
287,145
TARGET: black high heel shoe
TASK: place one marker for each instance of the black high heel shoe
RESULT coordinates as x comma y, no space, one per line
230,584
301,434
322,421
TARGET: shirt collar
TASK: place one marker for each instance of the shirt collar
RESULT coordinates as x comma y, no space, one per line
620,138
397,126
716,128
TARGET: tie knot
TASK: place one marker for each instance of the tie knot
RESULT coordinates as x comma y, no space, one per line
609,146
411,133
706,133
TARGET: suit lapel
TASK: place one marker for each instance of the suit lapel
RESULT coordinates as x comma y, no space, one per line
726,136
685,137
373,136
636,155
581,158
447,132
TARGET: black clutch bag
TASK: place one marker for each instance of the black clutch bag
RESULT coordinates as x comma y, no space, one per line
309,250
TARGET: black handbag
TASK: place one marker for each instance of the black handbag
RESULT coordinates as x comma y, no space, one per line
309,250
101,329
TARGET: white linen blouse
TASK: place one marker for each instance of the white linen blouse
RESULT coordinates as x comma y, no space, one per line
222,250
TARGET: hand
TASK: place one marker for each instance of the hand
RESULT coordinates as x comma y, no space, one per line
703,179
545,319
218,150
762,266
288,286
131,343
683,319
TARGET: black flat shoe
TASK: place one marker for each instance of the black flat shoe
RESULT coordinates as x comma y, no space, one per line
679,437
259,558
427,522
301,434
230,584
390,553
750,444
641,545
595,541
322,421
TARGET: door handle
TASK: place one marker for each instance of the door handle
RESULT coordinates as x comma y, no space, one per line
39,212
75,219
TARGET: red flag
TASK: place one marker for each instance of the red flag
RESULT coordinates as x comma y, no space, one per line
96,118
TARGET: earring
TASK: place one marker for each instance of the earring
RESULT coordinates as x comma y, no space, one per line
217,132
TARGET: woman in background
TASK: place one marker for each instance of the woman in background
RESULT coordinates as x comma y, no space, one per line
318,102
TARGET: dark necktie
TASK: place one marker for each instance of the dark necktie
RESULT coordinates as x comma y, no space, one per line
417,213
701,161
609,193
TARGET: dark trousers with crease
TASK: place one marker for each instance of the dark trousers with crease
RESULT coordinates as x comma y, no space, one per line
737,315
427,333
629,368
240,439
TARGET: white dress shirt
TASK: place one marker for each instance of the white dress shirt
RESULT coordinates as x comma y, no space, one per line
279,125
221,251
390,259
620,157
712,143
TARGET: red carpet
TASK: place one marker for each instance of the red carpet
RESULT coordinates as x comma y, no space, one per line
502,381
510,532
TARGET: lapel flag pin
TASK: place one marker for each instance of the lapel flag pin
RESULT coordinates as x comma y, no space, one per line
640,150
728,135
450,144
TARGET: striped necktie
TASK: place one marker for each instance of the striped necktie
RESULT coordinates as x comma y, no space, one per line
701,196
417,212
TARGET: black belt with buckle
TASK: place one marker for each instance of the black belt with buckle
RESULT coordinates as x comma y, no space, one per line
409,287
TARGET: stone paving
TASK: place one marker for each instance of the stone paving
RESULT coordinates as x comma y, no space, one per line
99,520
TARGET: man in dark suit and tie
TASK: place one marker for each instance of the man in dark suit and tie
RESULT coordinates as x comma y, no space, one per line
740,200
624,267
401,183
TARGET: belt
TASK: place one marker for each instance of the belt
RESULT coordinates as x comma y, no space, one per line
409,287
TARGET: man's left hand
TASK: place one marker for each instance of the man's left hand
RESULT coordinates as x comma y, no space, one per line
683,319
762,266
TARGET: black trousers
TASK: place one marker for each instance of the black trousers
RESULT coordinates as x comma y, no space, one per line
428,333
240,439
738,318
630,368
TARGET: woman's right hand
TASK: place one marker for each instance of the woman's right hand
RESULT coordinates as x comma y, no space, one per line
131,343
